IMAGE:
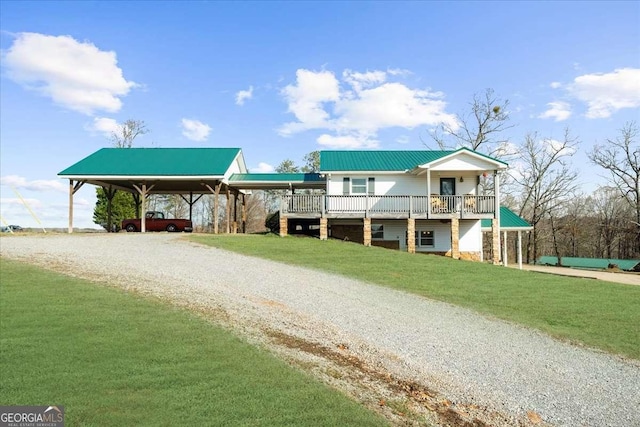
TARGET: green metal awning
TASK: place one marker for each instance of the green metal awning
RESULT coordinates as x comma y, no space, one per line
509,221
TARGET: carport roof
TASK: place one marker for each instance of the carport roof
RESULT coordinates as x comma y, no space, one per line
154,162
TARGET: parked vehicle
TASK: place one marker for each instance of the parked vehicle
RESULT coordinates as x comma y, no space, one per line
12,228
155,221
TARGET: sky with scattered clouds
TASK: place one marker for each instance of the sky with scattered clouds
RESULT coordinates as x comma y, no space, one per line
281,79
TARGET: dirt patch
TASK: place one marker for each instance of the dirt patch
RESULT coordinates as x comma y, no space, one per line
420,404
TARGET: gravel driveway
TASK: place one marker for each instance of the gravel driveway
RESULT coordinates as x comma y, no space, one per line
472,360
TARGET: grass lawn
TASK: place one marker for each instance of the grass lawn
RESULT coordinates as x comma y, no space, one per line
116,359
598,314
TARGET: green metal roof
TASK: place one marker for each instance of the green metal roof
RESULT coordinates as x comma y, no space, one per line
400,160
276,177
595,263
154,162
508,220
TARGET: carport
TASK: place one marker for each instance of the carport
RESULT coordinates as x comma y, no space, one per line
509,221
190,172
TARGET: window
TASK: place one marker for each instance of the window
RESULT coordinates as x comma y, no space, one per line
426,238
377,231
423,238
359,186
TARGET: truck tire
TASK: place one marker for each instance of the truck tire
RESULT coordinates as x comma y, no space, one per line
171,228
130,228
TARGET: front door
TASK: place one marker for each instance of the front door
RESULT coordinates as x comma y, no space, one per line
447,186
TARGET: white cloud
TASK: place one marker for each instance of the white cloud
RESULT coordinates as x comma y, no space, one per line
16,202
195,130
347,141
103,125
263,168
607,93
356,114
558,110
243,95
555,85
306,99
403,139
22,183
76,75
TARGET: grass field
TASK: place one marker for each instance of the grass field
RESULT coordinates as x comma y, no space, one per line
599,314
117,359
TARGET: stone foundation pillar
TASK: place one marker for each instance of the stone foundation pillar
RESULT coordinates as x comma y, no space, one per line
411,235
495,241
284,222
366,228
324,228
455,238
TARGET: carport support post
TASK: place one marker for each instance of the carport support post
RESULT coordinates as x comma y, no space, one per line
228,212
72,190
110,193
234,228
244,214
143,201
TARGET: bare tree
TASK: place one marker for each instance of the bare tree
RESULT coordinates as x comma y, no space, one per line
611,213
545,180
621,157
480,129
127,132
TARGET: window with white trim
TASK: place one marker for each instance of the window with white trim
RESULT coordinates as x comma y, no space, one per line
358,186
427,238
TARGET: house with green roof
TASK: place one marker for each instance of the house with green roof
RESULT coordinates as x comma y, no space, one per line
417,201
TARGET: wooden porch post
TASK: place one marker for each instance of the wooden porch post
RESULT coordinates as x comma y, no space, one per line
428,193
143,190
216,193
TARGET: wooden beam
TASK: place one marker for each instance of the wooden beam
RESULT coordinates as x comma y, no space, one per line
520,249
216,206
244,213
73,189
143,190
228,211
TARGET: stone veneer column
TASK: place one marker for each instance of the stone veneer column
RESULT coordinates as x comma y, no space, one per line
284,222
495,241
366,228
455,238
411,235
324,228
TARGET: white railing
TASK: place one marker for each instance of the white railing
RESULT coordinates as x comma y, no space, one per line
434,205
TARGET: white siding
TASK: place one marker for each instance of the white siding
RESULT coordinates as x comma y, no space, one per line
470,236
407,184
441,235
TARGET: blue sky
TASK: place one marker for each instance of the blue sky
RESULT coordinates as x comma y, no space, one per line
282,79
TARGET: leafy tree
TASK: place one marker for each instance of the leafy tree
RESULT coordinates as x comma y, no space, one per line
122,207
311,162
287,166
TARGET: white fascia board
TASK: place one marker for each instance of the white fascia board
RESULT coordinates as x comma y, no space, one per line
143,177
498,164
363,172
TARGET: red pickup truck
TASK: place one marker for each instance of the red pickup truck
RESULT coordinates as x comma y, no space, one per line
155,221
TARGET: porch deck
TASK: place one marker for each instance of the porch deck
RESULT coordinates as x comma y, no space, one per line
393,207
